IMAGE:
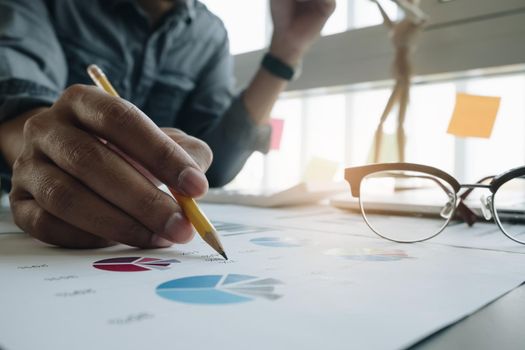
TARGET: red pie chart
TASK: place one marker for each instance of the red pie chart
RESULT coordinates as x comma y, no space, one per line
134,264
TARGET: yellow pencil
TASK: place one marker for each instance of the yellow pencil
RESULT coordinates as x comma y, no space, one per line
188,205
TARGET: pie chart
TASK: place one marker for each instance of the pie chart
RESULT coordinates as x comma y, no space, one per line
369,254
219,289
277,242
134,264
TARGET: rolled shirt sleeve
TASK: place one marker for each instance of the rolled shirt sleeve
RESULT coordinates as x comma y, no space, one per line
33,69
216,115
34,72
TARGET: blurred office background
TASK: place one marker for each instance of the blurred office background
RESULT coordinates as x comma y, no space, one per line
472,46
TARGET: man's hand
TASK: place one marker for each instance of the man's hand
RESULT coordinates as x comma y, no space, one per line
70,189
297,23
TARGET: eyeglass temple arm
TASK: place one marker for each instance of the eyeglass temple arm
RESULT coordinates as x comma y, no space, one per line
462,210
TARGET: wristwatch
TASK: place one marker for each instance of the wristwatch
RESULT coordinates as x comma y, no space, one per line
279,68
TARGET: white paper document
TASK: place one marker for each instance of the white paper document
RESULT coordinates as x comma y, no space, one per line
307,278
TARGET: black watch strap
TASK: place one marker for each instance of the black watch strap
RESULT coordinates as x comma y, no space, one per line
277,67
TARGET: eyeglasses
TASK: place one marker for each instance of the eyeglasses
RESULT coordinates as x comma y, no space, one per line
429,198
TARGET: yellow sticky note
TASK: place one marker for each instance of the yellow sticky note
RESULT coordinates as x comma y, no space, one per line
473,116
320,169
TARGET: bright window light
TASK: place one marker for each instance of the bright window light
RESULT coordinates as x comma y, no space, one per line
505,149
316,126
365,13
338,22
244,20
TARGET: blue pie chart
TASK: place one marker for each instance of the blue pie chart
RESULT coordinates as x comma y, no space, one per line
218,289
277,242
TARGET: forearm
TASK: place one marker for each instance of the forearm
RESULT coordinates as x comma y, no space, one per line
261,94
296,25
264,89
11,135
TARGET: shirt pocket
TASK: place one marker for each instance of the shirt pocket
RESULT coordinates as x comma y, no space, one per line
167,98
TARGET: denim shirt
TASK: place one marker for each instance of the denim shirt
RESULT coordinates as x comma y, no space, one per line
180,73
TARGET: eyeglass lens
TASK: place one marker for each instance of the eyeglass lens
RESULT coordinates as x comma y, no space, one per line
406,193
509,208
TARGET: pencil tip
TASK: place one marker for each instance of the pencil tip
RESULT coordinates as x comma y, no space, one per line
224,255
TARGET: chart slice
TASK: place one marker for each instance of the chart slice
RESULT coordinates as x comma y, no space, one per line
236,278
217,289
120,267
264,282
204,296
194,282
253,289
146,260
155,267
118,260
278,242
133,264
262,295
369,254
231,229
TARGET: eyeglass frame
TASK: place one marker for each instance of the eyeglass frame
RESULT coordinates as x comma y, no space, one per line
355,175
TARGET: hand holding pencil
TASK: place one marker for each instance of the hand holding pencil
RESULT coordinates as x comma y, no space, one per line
71,190
188,205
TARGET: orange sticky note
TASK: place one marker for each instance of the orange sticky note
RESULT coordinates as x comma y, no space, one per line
277,133
473,116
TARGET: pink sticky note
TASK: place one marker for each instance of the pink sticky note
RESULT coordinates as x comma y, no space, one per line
277,133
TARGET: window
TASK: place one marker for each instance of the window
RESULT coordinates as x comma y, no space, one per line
245,21
366,14
332,112
249,22
505,149
338,22
340,127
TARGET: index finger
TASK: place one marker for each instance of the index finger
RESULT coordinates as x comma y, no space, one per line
124,125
